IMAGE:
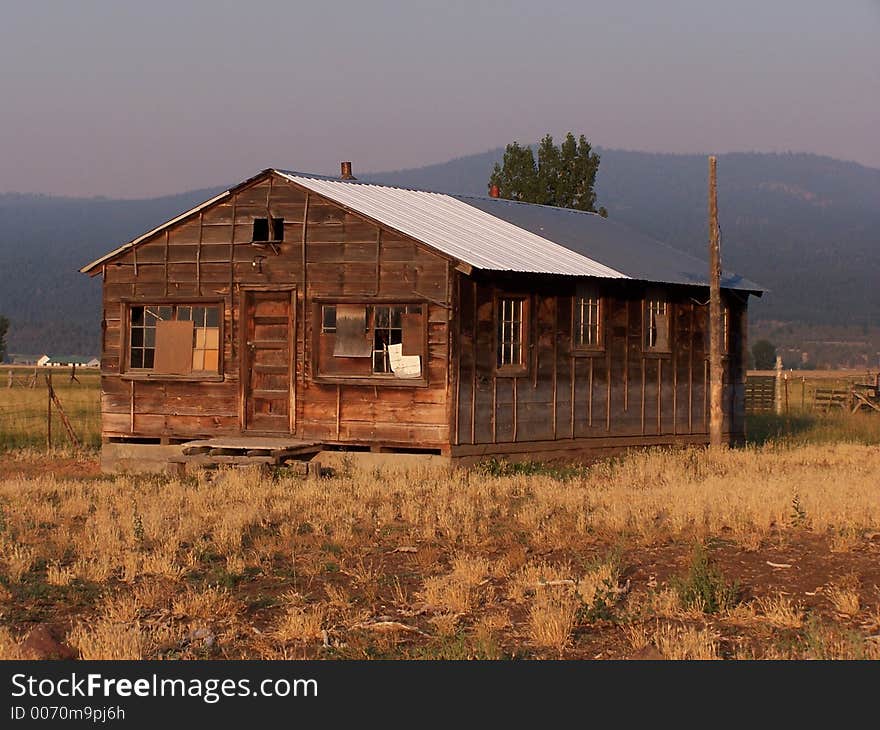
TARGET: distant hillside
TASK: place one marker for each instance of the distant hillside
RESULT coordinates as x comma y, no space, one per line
802,225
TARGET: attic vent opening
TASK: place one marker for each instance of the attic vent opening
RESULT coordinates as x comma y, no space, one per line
262,230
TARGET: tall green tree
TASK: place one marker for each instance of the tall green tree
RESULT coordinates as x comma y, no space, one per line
4,328
764,353
563,175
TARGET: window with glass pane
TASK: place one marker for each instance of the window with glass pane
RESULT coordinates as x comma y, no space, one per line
510,332
387,324
657,322
144,320
587,318
328,318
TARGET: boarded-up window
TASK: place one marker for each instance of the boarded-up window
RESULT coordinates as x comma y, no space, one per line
179,339
352,339
656,322
174,347
362,340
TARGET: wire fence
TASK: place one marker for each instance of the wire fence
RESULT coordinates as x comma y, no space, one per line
25,412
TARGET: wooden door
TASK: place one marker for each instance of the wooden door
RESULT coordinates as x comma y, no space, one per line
267,371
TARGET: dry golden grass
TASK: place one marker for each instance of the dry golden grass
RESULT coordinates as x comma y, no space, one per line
457,591
552,617
685,642
845,600
780,611
489,559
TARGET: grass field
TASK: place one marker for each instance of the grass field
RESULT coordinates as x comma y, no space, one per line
770,551
23,409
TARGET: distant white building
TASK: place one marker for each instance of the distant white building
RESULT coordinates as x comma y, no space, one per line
62,361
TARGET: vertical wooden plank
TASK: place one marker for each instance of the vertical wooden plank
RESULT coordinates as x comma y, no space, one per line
167,234
474,369
608,393
514,407
590,398
675,389
705,393
291,362
244,299
305,292
626,363
495,410
659,397
643,396
134,252
378,260
455,335
572,369
338,409
199,255
555,359
131,407
691,373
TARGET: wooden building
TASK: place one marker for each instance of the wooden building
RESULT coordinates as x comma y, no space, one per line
352,316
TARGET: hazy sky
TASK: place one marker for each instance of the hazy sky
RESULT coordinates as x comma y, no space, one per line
128,99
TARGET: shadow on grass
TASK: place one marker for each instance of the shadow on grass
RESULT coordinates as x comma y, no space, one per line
813,428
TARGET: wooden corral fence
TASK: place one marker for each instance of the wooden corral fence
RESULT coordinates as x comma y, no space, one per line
760,394
812,392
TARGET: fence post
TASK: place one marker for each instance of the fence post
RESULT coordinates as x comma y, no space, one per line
48,410
777,396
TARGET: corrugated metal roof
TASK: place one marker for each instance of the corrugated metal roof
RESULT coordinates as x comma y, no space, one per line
614,244
456,228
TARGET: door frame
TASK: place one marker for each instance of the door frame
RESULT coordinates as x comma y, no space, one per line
246,292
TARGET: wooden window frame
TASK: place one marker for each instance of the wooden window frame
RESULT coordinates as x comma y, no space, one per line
128,373
652,350
512,370
581,348
274,224
373,379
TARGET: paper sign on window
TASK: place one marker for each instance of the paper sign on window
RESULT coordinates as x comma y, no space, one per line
404,366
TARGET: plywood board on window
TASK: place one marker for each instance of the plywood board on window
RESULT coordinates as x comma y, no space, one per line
413,334
661,321
351,337
174,347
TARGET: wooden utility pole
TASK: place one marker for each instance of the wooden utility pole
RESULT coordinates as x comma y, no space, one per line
716,413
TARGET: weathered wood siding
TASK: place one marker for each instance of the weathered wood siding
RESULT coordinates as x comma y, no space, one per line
570,399
210,256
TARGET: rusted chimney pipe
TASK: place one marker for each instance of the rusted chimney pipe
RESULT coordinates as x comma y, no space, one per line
493,191
346,171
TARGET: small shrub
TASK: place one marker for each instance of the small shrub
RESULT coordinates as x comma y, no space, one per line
704,587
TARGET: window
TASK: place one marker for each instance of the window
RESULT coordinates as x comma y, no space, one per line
511,333
587,325
656,322
261,229
328,318
388,330
376,340
177,339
